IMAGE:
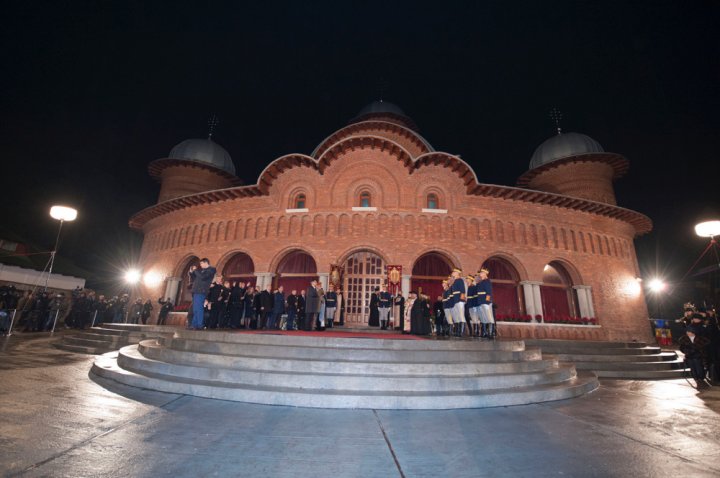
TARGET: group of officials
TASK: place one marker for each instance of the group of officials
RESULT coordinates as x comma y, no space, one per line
219,304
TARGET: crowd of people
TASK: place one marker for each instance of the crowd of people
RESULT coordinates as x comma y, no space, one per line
43,310
701,344
219,304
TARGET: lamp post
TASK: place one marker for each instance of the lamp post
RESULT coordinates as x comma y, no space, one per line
62,214
656,287
709,229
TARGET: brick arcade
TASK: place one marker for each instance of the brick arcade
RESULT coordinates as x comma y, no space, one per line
375,193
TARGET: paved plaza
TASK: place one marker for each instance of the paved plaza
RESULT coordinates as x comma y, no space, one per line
57,421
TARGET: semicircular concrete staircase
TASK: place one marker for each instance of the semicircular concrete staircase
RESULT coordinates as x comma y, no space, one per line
336,372
624,360
108,337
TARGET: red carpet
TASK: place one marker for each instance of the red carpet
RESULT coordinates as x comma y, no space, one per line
335,333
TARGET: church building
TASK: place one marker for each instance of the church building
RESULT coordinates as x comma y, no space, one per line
375,203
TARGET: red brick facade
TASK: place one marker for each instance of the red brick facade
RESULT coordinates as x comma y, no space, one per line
473,222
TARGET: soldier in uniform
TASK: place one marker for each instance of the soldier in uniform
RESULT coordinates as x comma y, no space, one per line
459,296
384,300
447,308
472,306
484,292
330,306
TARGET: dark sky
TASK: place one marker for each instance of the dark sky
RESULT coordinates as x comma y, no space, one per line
94,91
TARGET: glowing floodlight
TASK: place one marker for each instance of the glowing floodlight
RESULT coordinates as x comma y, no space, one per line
132,276
63,213
708,229
152,279
657,285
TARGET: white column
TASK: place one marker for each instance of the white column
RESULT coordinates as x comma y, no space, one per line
172,288
529,299
591,308
405,285
324,279
538,299
581,293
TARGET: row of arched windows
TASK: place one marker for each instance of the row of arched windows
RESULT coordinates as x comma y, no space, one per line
365,200
297,268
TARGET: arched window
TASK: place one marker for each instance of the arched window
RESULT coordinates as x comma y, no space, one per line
558,296
364,199
506,286
300,201
432,201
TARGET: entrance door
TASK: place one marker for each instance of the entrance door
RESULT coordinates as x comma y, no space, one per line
364,271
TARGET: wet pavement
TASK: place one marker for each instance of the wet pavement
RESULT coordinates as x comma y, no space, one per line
57,421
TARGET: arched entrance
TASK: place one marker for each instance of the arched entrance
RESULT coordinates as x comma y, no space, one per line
506,286
295,271
429,271
184,295
240,267
558,296
364,271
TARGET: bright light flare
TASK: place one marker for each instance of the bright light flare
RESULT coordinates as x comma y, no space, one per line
63,213
708,229
657,285
152,278
132,276
631,287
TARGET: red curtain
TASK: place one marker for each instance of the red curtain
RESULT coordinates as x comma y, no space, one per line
297,262
431,288
506,299
431,264
555,301
240,265
298,283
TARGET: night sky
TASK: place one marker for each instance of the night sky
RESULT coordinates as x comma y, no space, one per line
94,91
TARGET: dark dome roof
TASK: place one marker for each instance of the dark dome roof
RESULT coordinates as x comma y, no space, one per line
563,146
204,151
379,107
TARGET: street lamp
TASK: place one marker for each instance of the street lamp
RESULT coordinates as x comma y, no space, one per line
62,214
708,229
657,285
132,276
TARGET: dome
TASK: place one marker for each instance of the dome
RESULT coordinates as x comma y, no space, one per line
563,146
380,107
390,112
204,151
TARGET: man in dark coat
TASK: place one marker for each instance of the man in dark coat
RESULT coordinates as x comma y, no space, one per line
693,345
278,309
266,306
312,305
292,302
301,310
166,306
201,279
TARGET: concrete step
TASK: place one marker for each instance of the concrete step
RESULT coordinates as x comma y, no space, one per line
368,365
82,349
645,374
629,366
607,351
552,343
106,366
664,356
483,352
129,358
335,342
142,328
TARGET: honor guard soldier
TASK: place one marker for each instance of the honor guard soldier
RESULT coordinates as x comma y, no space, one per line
459,296
485,295
472,306
384,301
330,306
447,308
